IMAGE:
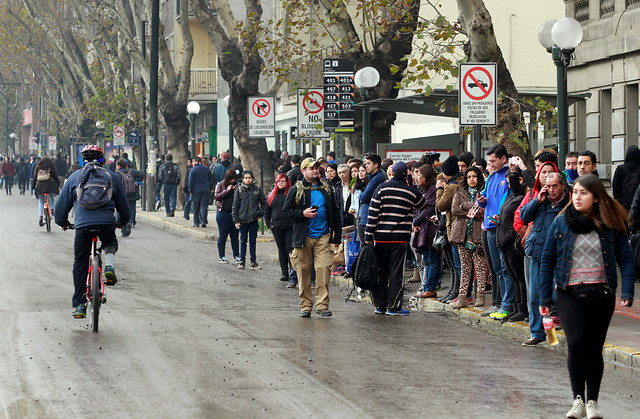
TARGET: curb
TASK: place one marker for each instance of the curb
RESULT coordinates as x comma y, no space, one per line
170,225
619,356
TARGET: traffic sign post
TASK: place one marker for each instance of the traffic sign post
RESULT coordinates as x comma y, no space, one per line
118,135
262,117
477,97
53,143
339,95
311,113
33,143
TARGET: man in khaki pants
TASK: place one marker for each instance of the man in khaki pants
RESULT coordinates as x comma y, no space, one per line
312,206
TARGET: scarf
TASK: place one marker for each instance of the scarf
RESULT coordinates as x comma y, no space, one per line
579,223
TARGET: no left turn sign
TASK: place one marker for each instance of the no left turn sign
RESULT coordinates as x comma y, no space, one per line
477,94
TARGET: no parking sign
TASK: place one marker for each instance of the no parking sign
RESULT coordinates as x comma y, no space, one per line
477,94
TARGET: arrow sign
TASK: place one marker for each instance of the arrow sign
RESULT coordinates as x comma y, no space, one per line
261,117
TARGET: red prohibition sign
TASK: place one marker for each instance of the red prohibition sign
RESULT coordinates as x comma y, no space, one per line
313,98
261,108
470,81
119,131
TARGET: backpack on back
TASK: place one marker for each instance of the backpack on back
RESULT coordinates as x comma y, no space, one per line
128,182
95,188
631,183
170,174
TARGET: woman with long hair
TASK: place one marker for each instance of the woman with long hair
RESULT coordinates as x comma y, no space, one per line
224,196
359,186
584,244
281,227
425,230
466,234
45,180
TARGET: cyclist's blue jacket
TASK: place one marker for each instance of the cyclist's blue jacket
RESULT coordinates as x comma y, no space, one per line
84,217
496,190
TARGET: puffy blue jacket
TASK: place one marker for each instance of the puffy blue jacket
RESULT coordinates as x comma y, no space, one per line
375,180
84,217
496,190
542,215
558,255
199,179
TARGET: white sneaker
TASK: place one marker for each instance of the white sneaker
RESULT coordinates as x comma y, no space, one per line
577,410
592,410
223,260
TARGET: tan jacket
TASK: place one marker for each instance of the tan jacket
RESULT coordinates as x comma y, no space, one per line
444,199
459,208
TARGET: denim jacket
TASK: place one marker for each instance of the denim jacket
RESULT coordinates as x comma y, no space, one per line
557,257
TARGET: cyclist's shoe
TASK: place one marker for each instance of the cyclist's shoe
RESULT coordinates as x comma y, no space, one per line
110,274
40,222
126,230
80,312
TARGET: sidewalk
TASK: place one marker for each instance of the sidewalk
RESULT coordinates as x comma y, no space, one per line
623,340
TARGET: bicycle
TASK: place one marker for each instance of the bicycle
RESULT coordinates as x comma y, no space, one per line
95,284
47,212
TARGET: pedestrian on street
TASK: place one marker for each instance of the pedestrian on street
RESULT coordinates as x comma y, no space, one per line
45,180
61,167
248,207
220,170
376,177
466,234
129,177
188,201
627,178
224,195
169,176
159,162
8,174
388,228
316,224
281,227
200,179
584,244
22,171
295,174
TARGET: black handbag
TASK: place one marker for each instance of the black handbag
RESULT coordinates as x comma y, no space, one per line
440,240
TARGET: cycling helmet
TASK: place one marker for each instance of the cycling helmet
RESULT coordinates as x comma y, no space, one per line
92,152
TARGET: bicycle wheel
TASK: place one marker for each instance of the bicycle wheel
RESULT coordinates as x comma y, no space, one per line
47,219
96,294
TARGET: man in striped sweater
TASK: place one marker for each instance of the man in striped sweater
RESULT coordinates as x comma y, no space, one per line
389,228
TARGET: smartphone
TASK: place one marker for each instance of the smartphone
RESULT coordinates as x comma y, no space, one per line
314,207
494,220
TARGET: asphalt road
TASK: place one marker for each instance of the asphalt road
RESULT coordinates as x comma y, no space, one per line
182,336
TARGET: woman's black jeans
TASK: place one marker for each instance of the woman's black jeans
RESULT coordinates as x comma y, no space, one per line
283,237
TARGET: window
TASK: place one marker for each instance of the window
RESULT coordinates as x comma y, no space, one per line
582,10
607,7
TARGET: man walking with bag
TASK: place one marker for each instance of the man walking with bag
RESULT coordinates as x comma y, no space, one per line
388,227
313,209
169,176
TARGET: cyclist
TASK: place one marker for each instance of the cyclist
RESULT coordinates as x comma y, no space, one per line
101,219
45,181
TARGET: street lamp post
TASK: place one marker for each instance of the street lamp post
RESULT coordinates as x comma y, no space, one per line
561,38
193,108
366,79
226,105
7,120
13,137
100,135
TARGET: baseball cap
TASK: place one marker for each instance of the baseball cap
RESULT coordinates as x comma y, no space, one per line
308,162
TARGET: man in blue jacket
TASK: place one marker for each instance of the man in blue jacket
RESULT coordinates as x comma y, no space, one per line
102,219
200,189
495,192
376,177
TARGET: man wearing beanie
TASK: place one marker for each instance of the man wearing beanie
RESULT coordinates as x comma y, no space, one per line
446,187
389,229
376,176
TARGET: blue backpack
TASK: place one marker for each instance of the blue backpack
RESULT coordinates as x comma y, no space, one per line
95,188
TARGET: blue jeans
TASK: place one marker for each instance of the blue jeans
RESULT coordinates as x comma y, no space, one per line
170,194
456,259
52,202
158,187
187,204
250,229
200,204
499,265
132,211
432,269
226,229
535,319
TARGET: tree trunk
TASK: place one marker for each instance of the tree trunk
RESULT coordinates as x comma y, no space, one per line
177,125
483,47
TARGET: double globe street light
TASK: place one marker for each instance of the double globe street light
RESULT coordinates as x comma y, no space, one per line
560,38
366,79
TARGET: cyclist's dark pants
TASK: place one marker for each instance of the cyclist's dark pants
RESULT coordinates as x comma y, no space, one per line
81,249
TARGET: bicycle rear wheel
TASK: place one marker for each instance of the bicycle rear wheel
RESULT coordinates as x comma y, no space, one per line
96,294
47,219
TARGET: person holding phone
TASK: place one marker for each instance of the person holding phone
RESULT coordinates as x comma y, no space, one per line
224,195
248,207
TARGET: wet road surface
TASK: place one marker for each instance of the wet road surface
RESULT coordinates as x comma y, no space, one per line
182,336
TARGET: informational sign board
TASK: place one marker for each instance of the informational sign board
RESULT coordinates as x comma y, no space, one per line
339,95
134,137
477,94
118,135
415,155
262,117
53,143
33,143
311,113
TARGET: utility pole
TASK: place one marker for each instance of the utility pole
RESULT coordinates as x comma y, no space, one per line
152,141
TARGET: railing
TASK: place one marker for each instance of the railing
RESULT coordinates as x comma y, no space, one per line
204,81
582,11
607,7
631,4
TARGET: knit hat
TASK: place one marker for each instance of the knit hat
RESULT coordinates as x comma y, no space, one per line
450,166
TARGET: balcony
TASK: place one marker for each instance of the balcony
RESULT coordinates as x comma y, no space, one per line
204,81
